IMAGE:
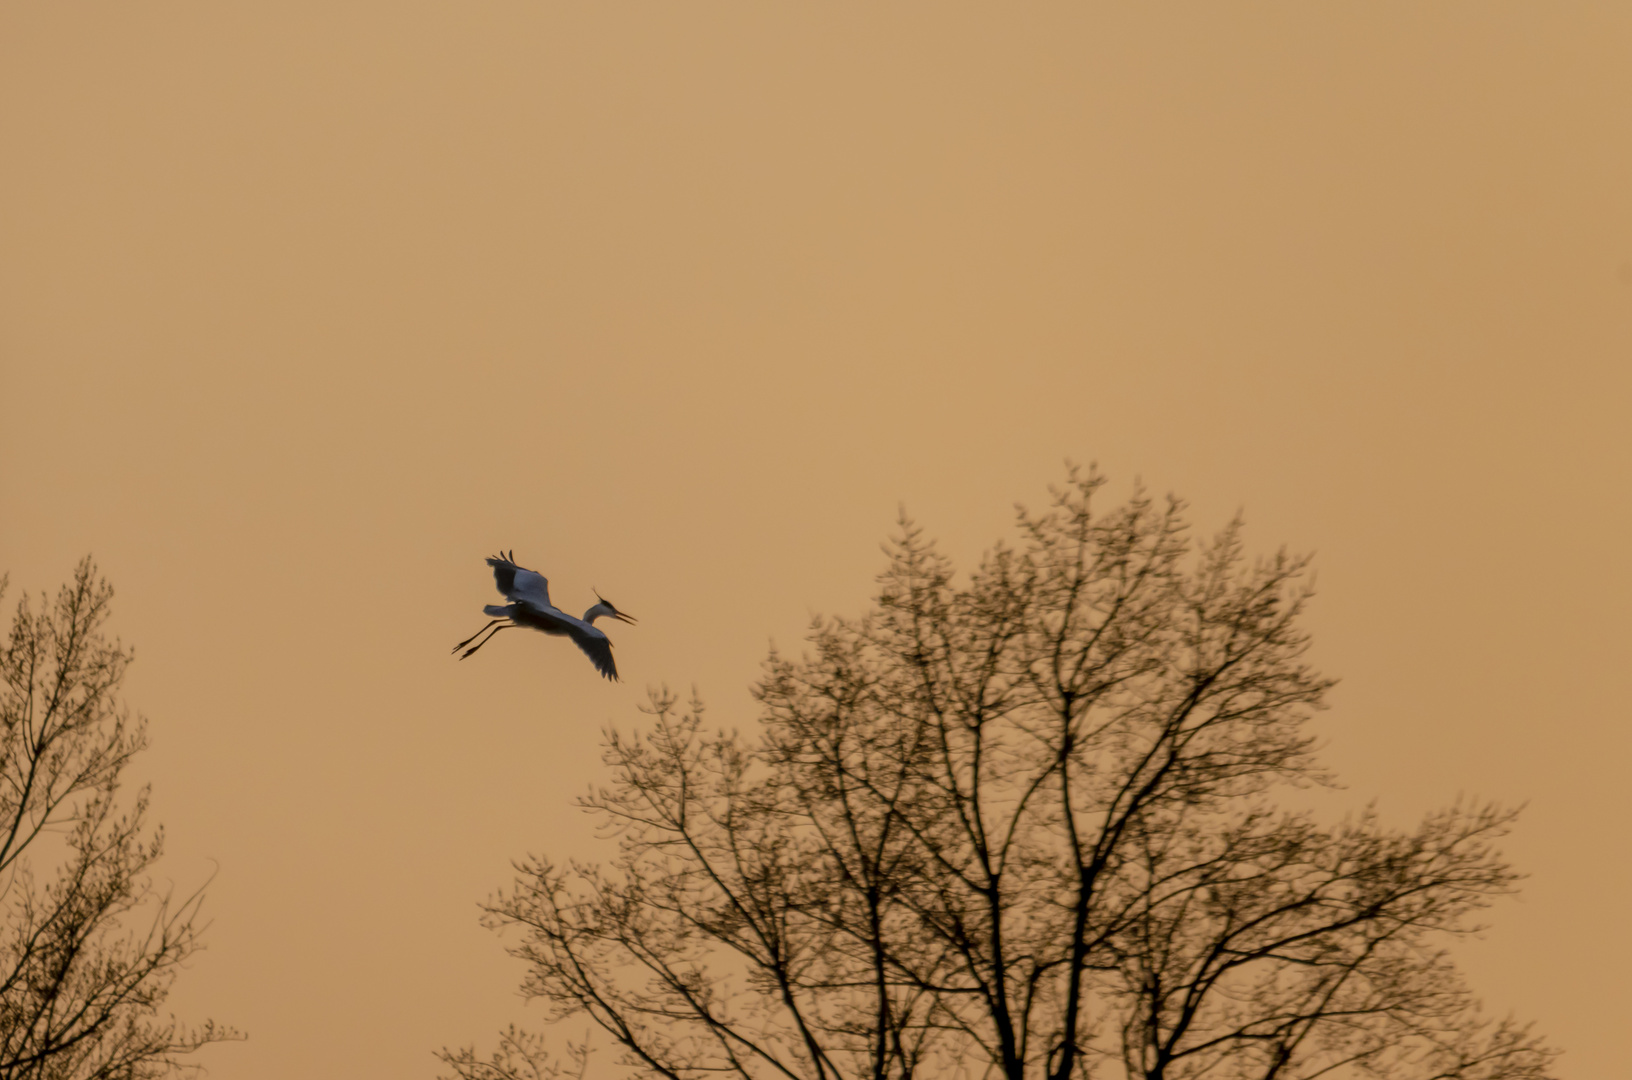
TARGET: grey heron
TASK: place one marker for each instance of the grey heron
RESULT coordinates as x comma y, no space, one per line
529,594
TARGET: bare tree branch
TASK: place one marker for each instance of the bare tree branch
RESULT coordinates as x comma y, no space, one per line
89,950
1023,825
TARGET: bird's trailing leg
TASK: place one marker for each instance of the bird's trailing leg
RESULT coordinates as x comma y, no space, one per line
478,634
485,640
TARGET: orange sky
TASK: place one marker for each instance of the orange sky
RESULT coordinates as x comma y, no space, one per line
305,308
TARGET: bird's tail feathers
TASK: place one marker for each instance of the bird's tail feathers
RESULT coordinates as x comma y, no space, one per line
498,611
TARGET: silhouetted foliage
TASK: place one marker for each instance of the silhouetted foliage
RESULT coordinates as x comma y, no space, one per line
88,947
1023,827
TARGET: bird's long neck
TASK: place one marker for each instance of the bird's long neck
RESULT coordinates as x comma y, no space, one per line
595,613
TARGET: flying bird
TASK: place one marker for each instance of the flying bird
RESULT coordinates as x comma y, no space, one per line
529,594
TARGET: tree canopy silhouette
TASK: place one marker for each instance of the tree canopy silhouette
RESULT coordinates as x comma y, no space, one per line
89,949
1018,825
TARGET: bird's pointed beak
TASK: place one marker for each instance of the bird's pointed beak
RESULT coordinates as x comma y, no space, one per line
630,619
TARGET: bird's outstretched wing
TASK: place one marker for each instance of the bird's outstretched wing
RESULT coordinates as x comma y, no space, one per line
598,649
519,583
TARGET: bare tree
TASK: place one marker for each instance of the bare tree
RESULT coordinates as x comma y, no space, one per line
1023,826
521,1055
89,947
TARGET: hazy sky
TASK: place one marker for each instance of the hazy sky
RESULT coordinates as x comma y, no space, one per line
305,308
